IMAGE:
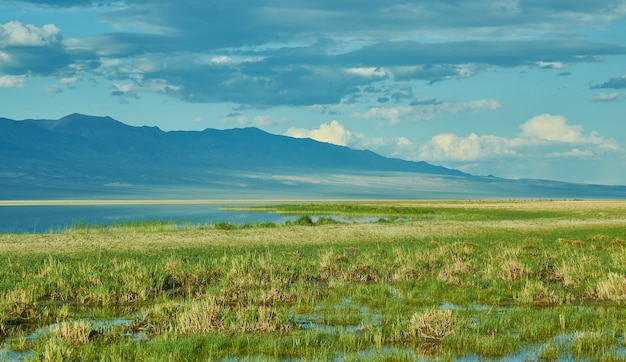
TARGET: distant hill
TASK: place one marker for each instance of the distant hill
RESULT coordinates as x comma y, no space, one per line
80,155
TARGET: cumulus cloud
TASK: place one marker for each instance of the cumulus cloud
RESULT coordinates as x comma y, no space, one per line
15,33
542,132
337,134
26,49
473,147
333,133
424,111
557,142
551,128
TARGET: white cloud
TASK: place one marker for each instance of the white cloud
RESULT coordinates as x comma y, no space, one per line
551,128
139,85
14,33
551,65
404,141
336,133
12,81
225,59
605,97
222,59
554,128
68,80
543,139
453,147
539,134
426,112
331,133
369,72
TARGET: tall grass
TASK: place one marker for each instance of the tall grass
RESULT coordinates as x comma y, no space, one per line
438,289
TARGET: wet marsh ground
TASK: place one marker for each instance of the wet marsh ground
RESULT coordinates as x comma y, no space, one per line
538,280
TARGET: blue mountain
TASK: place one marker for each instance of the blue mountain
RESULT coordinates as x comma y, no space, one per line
80,155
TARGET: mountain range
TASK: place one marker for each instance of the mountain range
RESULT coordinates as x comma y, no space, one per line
98,157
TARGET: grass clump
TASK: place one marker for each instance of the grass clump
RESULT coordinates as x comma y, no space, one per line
612,288
431,325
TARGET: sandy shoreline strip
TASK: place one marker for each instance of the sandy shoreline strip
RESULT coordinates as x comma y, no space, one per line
152,202
479,204
120,202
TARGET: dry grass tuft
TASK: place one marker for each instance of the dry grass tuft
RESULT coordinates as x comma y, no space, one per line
613,288
454,270
618,258
406,273
535,293
201,317
329,264
433,325
77,333
513,269
56,350
506,265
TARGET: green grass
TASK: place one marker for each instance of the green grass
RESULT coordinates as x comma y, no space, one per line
472,283
399,210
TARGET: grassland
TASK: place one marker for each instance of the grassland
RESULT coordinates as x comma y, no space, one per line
543,280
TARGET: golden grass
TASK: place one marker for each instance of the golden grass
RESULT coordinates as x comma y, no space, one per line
72,242
78,332
612,288
433,325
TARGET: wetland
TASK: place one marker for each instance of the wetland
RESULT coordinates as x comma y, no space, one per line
360,280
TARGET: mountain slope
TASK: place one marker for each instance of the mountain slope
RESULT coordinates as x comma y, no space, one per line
82,156
101,140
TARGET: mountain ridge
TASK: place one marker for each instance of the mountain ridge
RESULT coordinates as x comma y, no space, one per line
237,148
91,156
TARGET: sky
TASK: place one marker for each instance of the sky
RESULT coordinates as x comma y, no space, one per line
510,88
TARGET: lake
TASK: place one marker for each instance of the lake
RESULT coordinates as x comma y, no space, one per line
45,218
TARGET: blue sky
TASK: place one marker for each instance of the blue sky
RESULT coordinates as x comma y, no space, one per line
512,88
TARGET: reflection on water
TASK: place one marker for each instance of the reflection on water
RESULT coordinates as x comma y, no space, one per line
56,218
40,219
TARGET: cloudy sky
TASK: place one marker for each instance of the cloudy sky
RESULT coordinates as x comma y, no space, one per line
512,88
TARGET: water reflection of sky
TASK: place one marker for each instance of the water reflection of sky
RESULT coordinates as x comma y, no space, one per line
54,217
46,218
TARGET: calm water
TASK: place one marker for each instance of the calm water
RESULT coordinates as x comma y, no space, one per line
19,219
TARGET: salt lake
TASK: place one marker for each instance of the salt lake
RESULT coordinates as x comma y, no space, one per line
46,217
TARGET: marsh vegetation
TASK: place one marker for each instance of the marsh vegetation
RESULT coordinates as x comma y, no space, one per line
543,280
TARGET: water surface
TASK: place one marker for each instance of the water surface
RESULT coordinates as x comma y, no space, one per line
46,218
